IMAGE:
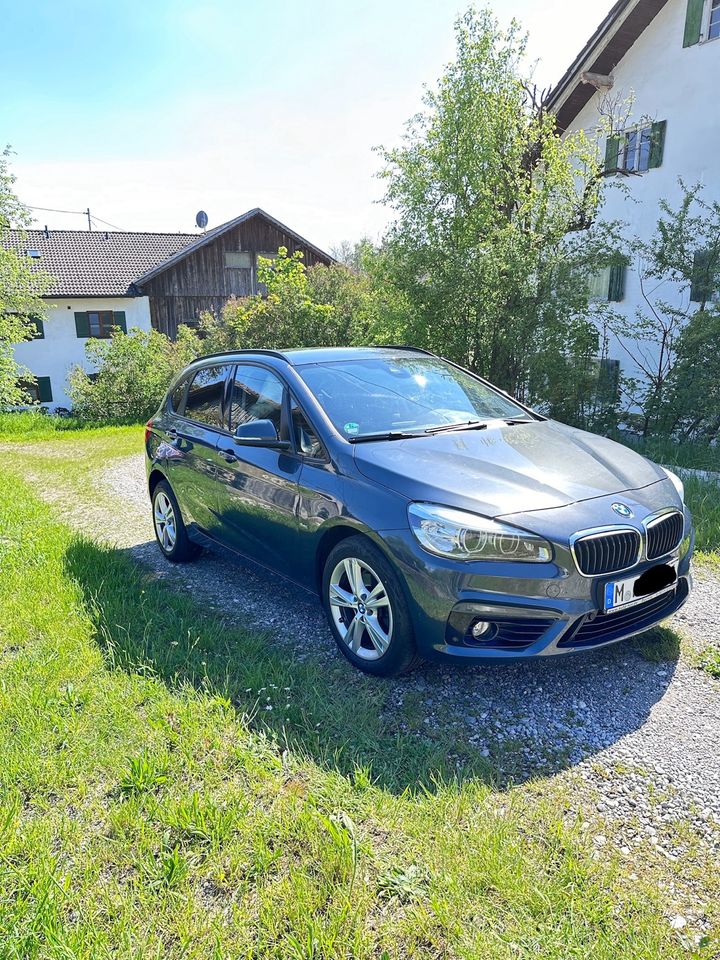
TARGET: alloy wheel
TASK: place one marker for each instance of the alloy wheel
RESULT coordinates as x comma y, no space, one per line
361,608
165,524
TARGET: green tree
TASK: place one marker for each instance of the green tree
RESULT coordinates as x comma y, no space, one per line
669,339
21,288
134,371
284,316
496,232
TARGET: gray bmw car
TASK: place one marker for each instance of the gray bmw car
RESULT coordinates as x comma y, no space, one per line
435,516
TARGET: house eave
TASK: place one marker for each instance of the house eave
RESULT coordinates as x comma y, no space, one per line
617,33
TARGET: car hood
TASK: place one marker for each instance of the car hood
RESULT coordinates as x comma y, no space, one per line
507,469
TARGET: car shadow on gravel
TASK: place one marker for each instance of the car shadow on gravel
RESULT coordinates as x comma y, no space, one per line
263,645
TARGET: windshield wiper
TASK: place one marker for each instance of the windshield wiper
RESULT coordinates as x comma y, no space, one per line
392,435
474,425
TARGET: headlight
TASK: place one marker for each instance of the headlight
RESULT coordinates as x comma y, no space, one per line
467,536
677,483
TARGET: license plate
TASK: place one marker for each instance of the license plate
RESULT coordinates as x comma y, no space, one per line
620,594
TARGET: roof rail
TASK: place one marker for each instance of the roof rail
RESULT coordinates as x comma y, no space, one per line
401,346
244,352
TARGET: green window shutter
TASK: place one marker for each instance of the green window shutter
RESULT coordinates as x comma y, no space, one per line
612,149
44,389
693,22
119,320
701,288
39,328
82,325
616,288
657,144
609,379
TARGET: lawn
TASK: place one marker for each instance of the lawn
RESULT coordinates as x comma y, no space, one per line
173,786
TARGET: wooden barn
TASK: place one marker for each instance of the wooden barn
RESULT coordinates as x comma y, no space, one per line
220,264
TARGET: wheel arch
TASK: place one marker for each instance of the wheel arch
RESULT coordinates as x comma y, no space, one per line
154,479
331,538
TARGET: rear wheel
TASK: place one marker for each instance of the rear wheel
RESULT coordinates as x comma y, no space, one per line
170,530
367,609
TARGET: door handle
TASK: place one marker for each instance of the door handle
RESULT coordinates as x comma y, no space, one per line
172,434
228,456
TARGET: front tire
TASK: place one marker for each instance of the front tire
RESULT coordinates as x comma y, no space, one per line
367,610
170,530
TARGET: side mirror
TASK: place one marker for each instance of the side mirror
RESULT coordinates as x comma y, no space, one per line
259,433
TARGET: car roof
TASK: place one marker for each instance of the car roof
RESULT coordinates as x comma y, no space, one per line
311,355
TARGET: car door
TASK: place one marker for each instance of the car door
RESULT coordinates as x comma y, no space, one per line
192,460
257,511
319,492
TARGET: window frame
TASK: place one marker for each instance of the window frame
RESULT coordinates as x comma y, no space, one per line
306,458
710,8
642,134
222,428
105,328
284,432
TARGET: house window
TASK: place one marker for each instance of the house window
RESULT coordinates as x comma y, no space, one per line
705,286
637,150
713,30
608,285
238,260
100,323
38,390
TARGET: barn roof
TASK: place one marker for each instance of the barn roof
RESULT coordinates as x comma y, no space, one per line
211,235
623,25
88,263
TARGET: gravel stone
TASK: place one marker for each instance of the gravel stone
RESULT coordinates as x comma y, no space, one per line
642,738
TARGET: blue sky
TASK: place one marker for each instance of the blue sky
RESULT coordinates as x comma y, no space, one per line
148,111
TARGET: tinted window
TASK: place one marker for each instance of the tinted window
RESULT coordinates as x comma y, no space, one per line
204,399
178,395
256,395
415,393
307,441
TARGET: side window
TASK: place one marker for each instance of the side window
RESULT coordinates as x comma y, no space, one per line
178,395
257,394
204,399
306,439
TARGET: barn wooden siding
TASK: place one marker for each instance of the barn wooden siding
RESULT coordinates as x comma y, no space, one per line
201,281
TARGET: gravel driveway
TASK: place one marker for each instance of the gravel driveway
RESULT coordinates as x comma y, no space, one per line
643,737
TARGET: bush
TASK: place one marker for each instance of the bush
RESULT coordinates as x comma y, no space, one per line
134,371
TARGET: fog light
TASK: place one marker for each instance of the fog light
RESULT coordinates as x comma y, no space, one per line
480,629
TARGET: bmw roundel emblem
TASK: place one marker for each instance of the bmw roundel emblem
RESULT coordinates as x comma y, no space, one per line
623,510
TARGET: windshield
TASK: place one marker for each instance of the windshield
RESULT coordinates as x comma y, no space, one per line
403,394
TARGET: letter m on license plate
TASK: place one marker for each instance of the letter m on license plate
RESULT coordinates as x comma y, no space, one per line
617,594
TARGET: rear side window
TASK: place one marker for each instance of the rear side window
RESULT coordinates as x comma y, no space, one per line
204,399
257,394
178,395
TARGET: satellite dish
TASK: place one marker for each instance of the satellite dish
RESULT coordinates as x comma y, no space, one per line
201,219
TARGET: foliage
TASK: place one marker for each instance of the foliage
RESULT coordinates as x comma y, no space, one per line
672,341
692,408
36,425
496,230
134,371
21,288
285,316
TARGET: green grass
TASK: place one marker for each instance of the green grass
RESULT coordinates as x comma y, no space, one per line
26,426
151,806
692,456
703,499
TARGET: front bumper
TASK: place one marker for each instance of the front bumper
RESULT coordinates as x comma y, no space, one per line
537,610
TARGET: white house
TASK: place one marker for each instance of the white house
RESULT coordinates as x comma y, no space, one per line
103,280
93,291
662,56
